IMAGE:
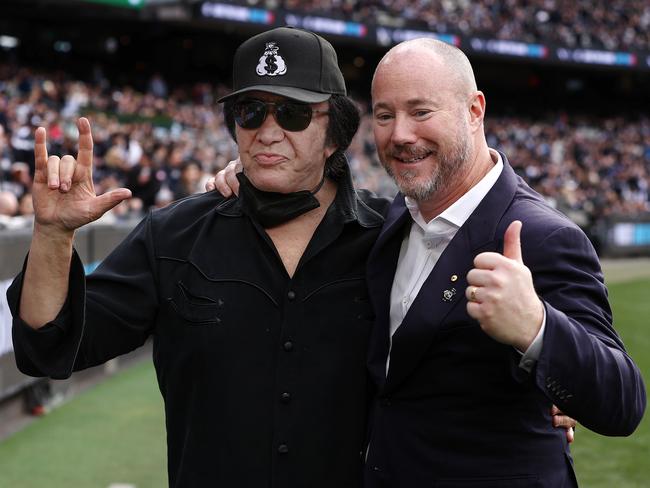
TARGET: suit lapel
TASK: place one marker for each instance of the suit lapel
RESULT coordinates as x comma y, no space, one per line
381,266
439,295
397,217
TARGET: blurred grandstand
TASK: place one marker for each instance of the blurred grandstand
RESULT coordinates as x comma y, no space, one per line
621,24
564,103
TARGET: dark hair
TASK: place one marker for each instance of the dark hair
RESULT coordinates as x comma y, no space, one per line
191,162
343,124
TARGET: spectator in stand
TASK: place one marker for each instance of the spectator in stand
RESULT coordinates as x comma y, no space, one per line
143,181
6,156
8,204
164,197
17,180
158,86
10,217
26,205
190,180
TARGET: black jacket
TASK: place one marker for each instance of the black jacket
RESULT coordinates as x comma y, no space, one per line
263,376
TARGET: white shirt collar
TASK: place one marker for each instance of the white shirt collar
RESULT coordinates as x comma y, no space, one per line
458,212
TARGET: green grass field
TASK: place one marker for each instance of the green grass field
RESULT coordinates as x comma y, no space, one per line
114,433
612,461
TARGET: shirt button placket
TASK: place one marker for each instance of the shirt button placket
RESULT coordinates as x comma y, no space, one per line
285,382
288,344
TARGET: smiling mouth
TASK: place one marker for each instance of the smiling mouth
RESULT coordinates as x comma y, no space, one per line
412,159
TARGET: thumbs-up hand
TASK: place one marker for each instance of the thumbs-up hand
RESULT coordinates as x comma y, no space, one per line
501,295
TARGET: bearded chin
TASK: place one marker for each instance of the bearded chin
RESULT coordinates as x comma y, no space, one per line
418,191
449,165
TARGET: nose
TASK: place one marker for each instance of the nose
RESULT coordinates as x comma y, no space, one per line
270,132
403,131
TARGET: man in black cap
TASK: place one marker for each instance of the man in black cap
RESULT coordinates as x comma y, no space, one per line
257,305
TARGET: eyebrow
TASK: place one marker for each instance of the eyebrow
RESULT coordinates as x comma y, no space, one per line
411,103
420,101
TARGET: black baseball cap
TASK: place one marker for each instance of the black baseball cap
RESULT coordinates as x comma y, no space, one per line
290,62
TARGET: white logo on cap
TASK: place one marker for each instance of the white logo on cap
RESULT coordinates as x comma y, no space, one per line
271,63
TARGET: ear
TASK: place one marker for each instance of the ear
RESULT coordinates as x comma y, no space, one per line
329,150
476,109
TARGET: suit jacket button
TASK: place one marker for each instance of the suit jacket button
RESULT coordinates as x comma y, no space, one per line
288,346
283,449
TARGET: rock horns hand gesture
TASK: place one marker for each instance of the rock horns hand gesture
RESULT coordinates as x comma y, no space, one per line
63,190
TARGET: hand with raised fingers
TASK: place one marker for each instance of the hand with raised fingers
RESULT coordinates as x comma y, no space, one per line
225,181
501,294
564,421
63,191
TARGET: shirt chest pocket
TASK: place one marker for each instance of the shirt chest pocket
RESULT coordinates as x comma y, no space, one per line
196,309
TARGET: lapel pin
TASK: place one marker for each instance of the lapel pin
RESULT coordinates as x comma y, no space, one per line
448,295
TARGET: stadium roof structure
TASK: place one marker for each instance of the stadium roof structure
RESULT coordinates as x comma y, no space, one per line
242,14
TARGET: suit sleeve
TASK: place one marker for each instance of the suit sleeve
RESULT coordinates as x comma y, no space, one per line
108,313
583,367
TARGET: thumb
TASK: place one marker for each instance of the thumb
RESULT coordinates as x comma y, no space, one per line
512,241
103,203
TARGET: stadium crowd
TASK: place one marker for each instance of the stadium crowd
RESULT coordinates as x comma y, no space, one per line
164,143
592,24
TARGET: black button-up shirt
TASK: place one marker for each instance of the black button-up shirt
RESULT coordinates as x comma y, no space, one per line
263,375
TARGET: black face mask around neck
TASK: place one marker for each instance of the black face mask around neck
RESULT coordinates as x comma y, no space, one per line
272,208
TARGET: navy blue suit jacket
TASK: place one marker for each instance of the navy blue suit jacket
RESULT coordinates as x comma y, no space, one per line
456,410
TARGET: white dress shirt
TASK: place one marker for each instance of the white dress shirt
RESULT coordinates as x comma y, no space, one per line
426,241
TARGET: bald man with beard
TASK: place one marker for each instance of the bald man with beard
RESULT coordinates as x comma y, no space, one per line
490,305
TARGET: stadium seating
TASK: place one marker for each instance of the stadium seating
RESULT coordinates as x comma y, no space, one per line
153,142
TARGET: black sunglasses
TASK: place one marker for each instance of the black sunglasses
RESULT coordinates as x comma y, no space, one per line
291,116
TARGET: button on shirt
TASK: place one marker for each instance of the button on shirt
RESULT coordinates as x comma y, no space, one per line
425,243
